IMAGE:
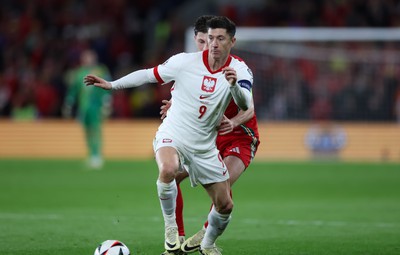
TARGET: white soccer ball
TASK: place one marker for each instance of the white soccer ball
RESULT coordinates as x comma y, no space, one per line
112,247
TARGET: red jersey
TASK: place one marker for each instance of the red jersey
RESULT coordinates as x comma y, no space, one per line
243,141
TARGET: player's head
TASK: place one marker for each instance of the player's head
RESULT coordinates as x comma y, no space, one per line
88,57
221,36
222,22
200,31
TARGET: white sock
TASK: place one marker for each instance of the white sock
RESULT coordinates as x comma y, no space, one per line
167,193
217,223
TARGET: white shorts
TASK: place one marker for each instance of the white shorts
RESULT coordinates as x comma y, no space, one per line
204,168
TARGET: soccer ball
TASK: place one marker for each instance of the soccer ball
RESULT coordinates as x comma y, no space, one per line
112,247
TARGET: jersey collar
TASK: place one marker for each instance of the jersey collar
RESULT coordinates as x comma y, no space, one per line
205,61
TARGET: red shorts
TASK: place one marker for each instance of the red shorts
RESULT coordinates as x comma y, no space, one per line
241,146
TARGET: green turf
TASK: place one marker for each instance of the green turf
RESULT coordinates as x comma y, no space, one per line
59,207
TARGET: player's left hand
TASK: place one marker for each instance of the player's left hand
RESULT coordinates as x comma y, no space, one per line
226,126
230,75
164,108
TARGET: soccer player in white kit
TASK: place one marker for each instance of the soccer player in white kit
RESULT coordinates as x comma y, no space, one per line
204,83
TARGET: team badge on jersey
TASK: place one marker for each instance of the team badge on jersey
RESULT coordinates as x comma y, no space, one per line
208,84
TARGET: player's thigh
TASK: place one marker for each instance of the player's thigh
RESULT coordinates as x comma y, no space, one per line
235,167
206,168
219,193
168,163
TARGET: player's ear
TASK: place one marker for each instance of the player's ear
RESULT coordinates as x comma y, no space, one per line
233,40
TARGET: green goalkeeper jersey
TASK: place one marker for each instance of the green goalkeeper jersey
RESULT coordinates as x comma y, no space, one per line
90,98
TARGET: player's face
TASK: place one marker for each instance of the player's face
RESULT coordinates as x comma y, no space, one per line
219,43
201,41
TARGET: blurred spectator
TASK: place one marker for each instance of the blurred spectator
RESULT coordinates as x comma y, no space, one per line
46,37
397,106
5,98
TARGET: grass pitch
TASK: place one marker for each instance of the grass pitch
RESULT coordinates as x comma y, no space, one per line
60,207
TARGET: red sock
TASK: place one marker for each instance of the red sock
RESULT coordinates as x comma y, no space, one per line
206,224
179,212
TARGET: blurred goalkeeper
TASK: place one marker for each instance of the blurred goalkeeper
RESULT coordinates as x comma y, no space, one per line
92,104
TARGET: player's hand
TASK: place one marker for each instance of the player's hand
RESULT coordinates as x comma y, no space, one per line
164,108
230,75
96,81
226,126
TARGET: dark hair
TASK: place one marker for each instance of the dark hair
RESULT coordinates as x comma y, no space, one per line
222,22
200,25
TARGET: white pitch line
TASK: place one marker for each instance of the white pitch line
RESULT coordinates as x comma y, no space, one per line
321,223
26,216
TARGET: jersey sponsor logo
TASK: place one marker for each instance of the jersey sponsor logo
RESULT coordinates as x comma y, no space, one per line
245,84
208,84
236,150
167,140
203,96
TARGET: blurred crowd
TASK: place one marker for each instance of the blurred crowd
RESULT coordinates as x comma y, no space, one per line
357,81
41,41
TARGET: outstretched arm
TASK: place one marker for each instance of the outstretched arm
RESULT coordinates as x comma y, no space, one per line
134,79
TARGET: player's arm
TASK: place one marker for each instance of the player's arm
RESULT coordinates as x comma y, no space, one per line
227,125
242,96
134,79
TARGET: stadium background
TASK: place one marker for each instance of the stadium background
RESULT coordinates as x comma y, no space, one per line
40,41
285,203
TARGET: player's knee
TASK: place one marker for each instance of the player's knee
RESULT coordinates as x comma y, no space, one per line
167,171
225,208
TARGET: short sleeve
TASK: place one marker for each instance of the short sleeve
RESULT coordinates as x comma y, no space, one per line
167,71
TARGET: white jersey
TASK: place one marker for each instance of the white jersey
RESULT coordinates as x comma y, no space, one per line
199,97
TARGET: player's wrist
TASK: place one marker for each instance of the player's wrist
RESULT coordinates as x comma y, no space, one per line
234,85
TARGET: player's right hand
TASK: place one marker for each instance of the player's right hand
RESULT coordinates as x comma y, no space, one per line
164,108
94,80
